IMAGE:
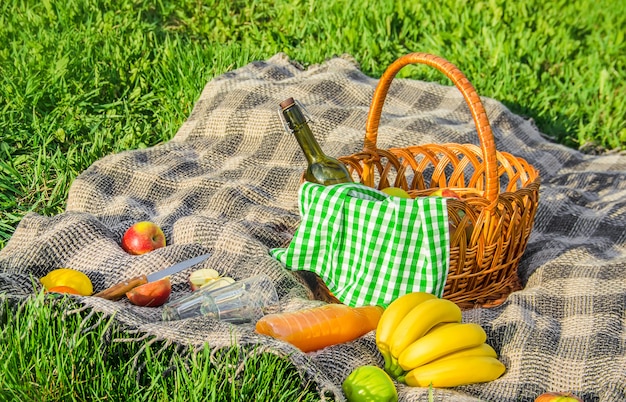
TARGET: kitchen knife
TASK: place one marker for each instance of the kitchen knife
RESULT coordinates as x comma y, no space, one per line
118,291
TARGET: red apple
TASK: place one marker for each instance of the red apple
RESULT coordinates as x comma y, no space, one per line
143,237
151,294
445,192
558,397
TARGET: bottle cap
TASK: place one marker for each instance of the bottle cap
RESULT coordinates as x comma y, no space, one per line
286,103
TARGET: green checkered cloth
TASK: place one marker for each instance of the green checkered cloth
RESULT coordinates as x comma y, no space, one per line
368,247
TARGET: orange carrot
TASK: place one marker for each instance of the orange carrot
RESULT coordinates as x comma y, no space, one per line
318,327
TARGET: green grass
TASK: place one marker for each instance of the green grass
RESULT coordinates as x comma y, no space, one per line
52,356
81,79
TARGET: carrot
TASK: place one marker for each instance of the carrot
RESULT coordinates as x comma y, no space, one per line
319,327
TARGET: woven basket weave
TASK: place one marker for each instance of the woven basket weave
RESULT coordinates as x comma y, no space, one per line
489,229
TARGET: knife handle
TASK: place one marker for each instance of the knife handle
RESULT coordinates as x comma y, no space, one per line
118,291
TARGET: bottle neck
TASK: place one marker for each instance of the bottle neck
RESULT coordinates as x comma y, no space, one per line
301,130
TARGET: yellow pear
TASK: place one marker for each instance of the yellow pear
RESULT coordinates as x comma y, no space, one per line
396,192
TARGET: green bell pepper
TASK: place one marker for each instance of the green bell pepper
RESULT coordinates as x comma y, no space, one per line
369,384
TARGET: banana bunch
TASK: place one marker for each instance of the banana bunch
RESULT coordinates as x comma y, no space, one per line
423,342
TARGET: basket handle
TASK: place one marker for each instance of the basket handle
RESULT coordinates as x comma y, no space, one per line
485,136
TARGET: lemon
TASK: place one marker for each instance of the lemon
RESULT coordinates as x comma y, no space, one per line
70,278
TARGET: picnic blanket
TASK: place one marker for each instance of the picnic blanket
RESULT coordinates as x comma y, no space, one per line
227,183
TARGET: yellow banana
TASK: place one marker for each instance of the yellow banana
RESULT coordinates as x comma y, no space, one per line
443,340
396,311
393,314
420,320
454,372
481,350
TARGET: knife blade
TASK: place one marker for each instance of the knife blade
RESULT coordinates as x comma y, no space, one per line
118,291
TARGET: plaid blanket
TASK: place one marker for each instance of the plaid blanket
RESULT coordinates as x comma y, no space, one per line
228,181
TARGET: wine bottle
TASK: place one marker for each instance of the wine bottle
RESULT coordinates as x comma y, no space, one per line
321,169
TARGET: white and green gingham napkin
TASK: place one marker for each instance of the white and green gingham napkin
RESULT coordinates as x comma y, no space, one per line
368,247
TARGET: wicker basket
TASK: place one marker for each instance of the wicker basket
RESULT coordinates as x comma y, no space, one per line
489,229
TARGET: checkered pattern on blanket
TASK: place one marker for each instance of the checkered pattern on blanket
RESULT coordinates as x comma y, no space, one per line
228,181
